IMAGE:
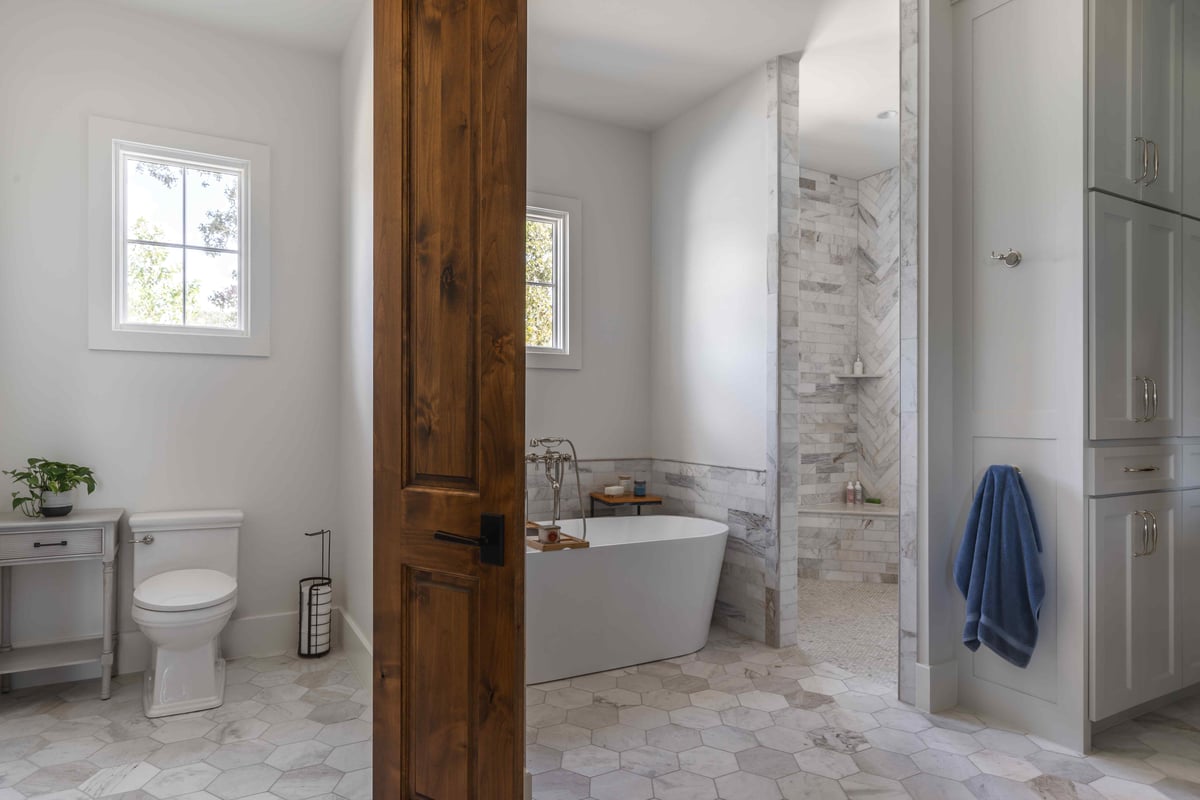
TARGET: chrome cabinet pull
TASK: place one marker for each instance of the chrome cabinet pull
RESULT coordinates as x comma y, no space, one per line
63,543
1153,398
1153,180
1145,158
1145,417
1153,532
1139,469
147,539
1145,551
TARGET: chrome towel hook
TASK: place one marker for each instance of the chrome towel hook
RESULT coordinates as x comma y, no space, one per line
1010,259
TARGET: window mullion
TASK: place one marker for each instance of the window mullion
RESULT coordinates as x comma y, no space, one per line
183,236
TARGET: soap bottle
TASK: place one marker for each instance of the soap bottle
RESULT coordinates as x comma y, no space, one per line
858,493
858,365
850,493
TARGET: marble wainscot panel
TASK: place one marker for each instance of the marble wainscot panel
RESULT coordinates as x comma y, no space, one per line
847,545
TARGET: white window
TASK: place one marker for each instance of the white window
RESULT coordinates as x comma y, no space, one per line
553,283
179,240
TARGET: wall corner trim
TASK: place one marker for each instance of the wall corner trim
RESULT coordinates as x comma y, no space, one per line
937,686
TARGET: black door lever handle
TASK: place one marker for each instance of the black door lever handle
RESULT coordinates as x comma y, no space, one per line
490,541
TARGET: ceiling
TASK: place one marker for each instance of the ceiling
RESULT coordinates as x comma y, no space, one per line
641,64
322,25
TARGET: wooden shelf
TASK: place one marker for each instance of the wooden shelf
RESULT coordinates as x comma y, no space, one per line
57,654
624,500
627,499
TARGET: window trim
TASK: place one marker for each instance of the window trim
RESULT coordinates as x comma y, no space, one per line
568,354
110,143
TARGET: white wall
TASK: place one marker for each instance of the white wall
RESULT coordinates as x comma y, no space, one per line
357,339
709,317
166,431
604,407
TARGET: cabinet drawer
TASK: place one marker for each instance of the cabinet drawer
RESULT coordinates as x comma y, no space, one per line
1123,470
51,544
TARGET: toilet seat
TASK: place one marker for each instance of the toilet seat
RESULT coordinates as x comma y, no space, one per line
184,590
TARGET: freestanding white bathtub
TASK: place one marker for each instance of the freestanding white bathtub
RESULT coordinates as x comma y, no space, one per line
643,591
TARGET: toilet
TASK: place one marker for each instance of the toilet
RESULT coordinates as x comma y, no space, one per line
185,590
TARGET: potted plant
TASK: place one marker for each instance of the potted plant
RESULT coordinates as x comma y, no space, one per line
49,487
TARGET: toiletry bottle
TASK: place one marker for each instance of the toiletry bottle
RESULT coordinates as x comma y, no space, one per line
858,493
850,493
858,365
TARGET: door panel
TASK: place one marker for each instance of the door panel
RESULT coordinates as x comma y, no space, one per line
1187,588
1162,96
1190,347
449,397
1135,263
1115,102
1190,138
1134,652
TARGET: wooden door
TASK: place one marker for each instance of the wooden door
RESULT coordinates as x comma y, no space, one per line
449,398
1162,97
1115,102
1135,264
1187,587
1134,612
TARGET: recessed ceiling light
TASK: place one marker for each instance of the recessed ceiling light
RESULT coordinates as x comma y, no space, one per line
889,114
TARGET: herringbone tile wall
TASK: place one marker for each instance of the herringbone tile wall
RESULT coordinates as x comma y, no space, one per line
879,334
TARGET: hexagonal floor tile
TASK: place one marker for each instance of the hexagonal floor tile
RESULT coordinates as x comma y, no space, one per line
622,785
708,761
591,761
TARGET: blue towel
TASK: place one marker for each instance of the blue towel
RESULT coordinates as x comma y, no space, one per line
998,569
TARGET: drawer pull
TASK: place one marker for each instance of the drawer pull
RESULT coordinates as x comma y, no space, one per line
63,543
1139,469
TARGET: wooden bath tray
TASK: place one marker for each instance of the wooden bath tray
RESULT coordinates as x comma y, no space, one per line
564,542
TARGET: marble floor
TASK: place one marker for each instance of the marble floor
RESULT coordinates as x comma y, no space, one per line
741,721
290,729
850,625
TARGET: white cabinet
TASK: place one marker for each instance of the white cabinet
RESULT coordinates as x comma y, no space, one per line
1190,292
1187,588
1135,262
1136,98
1135,611
1191,110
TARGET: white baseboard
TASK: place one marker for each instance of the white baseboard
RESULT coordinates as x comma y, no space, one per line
357,648
937,686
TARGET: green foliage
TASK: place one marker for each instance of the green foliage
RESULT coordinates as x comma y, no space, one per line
539,267
41,476
156,291
155,280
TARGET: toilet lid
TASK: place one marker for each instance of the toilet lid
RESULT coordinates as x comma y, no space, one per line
184,590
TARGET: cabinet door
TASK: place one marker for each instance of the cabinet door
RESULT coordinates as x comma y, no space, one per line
1162,98
1134,651
1115,101
1190,347
1134,319
1187,587
1190,140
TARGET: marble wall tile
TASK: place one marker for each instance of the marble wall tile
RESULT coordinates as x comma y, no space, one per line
910,148
848,548
879,334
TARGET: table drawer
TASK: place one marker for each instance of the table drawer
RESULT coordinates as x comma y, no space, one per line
1123,470
51,544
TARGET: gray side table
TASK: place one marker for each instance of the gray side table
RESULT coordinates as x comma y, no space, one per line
88,534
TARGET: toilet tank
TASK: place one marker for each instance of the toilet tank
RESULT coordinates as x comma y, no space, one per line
185,540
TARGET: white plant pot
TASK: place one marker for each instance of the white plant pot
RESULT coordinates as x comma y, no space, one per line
57,504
